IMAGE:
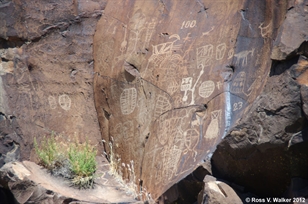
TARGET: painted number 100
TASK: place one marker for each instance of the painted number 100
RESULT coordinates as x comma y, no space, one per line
188,24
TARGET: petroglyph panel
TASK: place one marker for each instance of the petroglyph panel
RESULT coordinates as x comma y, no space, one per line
65,102
128,100
206,89
214,126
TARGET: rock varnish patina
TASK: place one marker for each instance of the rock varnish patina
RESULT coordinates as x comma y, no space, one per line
172,77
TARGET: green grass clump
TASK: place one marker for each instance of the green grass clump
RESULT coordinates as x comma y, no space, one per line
83,164
78,160
48,152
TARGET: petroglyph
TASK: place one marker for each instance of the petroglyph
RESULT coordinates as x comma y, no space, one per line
238,83
166,48
242,56
208,32
191,138
230,53
171,159
220,51
204,55
213,128
163,53
136,26
186,86
149,32
128,99
52,102
126,131
187,38
162,105
219,84
124,43
206,89
265,31
65,102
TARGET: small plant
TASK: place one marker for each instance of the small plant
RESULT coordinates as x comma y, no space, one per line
48,152
83,164
76,162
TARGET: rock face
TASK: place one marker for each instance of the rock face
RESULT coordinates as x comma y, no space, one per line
267,150
163,83
46,69
176,81
217,192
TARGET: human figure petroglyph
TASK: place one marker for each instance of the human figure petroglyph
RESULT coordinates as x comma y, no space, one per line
243,56
128,100
213,128
65,102
219,84
220,51
187,86
206,88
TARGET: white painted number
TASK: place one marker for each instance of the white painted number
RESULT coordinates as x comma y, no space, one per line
188,24
237,106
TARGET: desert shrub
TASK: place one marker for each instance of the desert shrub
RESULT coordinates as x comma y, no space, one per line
48,152
83,164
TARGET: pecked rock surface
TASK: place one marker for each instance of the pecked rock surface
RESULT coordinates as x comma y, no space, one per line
46,73
163,83
172,78
267,150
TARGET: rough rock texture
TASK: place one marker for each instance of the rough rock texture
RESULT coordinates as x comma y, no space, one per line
46,72
172,80
29,183
267,150
217,192
170,83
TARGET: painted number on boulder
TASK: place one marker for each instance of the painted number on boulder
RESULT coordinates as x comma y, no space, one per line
188,24
237,106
